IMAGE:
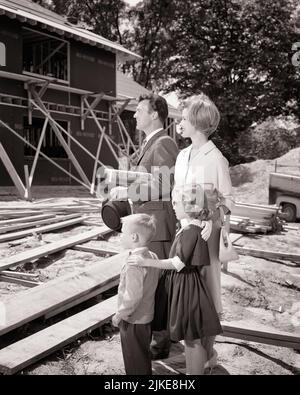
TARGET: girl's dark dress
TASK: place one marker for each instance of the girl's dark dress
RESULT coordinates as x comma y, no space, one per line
183,304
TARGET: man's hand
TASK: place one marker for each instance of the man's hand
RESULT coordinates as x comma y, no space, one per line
115,321
206,231
119,193
135,260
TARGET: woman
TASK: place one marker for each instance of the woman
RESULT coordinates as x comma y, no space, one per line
203,163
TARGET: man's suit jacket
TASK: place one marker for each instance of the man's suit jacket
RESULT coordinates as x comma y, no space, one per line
160,152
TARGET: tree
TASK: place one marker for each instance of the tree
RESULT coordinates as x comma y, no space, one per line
240,55
103,17
149,35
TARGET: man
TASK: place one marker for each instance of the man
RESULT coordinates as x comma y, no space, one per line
158,157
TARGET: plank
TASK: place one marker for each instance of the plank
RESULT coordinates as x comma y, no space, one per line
19,281
25,276
267,254
43,343
260,334
18,214
42,229
256,205
39,301
84,298
32,218
54,219
42,207
96,250
51,248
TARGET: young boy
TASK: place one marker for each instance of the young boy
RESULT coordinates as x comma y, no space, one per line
136,295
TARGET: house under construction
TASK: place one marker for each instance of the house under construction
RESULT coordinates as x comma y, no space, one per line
60,112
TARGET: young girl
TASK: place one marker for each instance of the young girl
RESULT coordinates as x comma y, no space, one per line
183,302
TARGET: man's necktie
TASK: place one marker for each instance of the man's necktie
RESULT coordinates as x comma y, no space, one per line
143,145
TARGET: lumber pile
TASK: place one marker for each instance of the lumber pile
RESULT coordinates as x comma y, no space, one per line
37,346
82,206
270,255
62,293
18,221
254,218
51,248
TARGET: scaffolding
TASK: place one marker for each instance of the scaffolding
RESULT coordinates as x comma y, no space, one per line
36,89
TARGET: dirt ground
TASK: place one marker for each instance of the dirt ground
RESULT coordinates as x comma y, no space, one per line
254,292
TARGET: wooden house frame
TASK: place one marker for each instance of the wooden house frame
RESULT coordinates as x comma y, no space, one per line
31,92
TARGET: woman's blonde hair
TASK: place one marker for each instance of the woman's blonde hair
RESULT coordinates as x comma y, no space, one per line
202,113
194,200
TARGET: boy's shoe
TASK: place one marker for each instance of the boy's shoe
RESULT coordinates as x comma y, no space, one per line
159,355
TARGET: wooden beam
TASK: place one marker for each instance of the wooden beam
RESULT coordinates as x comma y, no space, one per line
17,214
96,250
12,171
101,129
51,248
42,229
23,275
62,141
38,150
84,298
41,153
267,254
27,195
41,300
19,281
260,334
43,343
48,116
57,87
11,228
32,218
92,190
51,54
118,111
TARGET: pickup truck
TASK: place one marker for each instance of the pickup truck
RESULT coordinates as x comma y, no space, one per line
284,191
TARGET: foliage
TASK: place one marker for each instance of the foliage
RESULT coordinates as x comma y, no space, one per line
270,139
237,51
103,17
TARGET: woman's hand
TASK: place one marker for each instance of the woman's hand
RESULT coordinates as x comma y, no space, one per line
206,231
135,260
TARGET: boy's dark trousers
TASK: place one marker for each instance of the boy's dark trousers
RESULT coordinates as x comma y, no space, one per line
135,341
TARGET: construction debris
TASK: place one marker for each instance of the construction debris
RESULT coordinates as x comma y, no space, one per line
254,218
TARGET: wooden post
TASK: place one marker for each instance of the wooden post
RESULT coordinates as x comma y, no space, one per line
95,165
62,141
43,155
36,156
12,171
101,130
27,194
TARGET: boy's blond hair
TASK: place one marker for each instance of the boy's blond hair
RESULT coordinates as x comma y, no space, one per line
142,223
202,113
